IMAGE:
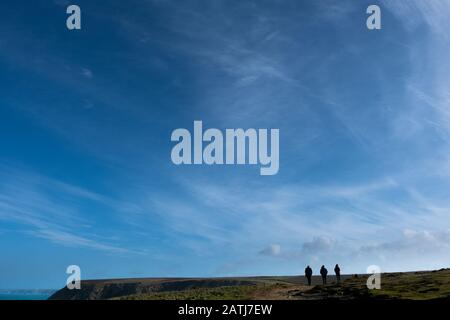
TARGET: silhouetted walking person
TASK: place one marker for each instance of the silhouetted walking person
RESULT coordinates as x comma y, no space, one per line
323,273
308,274
337,270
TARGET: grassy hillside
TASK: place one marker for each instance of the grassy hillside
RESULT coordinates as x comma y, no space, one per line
220,293
422,285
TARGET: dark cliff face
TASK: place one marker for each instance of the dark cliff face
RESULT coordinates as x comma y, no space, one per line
96,291
108,289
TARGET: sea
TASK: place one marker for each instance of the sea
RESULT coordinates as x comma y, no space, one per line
25,295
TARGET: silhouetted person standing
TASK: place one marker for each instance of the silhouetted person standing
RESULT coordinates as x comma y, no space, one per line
308,274
337,270
323,273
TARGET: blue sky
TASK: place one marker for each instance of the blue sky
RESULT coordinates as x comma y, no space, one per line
86,116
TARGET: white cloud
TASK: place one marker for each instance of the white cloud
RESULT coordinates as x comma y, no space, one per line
318,245
411,250
271,250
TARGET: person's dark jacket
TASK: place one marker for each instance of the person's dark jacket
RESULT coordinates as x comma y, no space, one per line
337,270
308,272
323,271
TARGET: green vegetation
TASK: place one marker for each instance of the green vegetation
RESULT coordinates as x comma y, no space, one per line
415,285
218,293
424,285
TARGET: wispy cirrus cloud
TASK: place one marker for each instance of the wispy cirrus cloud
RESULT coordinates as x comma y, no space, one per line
53,210
417,14
310,222
87,73
69,239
